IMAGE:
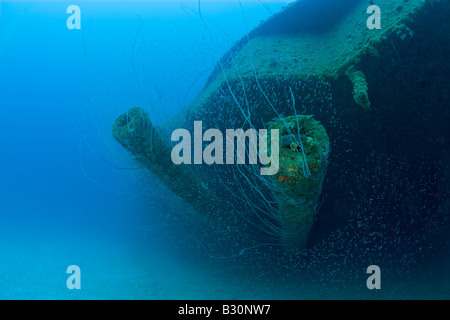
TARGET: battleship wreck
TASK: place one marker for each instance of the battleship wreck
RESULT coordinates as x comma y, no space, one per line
364,149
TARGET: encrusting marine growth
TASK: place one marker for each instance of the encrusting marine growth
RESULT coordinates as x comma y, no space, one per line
296,187
134,131
304,152
360,88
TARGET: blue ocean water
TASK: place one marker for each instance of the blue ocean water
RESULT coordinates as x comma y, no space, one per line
71,195
61,200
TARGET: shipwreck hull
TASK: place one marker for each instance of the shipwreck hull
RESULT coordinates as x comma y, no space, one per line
382,96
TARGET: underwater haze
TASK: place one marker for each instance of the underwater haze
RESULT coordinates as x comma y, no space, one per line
70,194
62,200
